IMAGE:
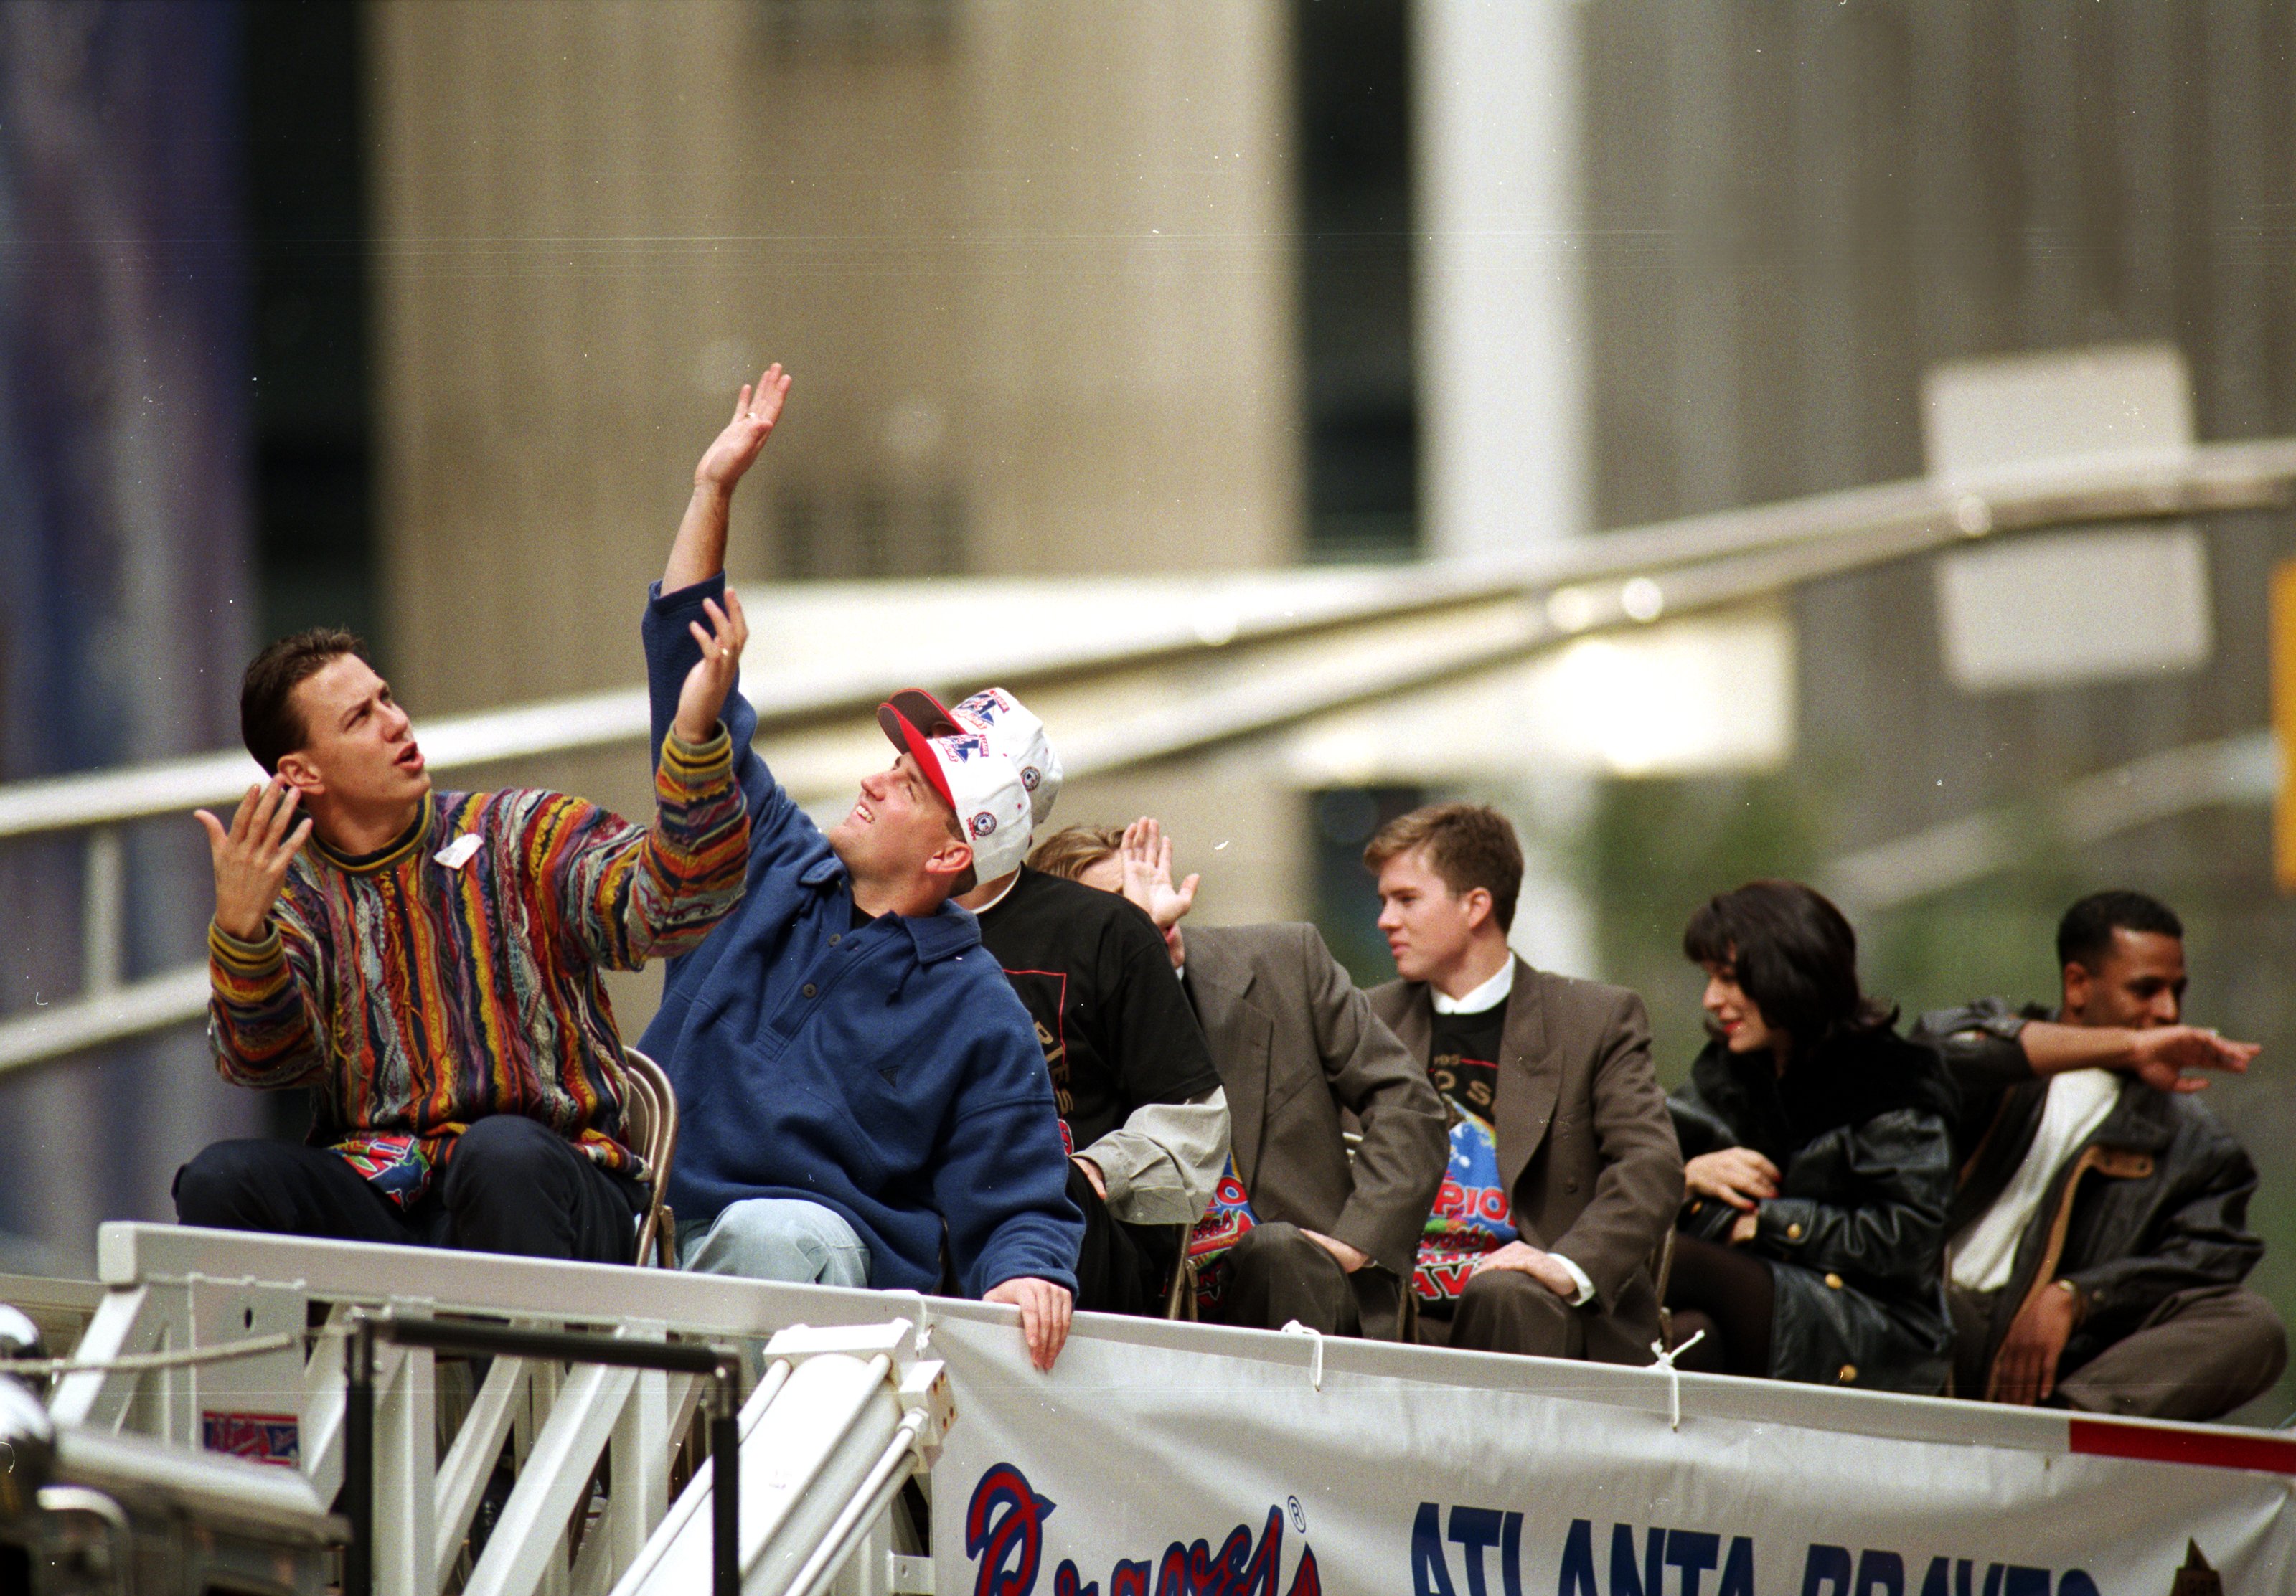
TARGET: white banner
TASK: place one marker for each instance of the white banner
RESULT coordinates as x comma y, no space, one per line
1177,1460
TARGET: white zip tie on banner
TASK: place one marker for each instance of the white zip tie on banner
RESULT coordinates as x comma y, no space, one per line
1316,1358
1674,1375
924,1322
137,1362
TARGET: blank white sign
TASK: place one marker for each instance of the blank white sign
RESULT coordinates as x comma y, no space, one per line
2092,606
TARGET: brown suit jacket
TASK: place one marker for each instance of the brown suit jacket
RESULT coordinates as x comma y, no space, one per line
1296,1044
1586,1146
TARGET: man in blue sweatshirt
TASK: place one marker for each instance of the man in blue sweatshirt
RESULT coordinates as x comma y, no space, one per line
856,1083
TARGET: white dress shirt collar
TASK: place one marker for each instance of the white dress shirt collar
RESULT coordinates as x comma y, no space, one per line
1490,994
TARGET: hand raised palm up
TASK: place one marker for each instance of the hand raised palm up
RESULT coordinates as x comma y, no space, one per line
755,411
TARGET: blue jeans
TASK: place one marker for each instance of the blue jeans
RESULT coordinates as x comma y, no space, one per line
775,1239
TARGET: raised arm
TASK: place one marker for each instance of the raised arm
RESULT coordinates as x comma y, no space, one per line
700,552
262,1023
628,894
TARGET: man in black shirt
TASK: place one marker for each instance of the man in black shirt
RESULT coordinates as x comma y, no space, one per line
1139,1098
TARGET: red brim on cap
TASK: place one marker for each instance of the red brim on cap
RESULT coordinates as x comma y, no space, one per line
902,733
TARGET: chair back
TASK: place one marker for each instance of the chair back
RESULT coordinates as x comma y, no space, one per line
649,1124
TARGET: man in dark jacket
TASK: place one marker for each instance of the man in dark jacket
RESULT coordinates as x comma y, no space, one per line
1565,1171
1304,1230
2099,1233
857,1084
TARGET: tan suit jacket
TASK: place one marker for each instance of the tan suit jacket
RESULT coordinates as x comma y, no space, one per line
1585,1146
1296,1045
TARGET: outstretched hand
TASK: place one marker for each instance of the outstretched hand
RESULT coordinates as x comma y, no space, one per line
251,857
1146,857
736,450
703,696
2162,1055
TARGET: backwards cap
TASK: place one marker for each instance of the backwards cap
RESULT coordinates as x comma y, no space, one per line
972,777
1014,730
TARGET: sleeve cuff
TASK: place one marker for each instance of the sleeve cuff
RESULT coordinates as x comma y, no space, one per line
1586,1292
1116,1171
1784,1224
689,597
256,958
697,765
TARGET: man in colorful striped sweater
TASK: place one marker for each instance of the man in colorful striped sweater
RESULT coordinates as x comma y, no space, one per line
429,963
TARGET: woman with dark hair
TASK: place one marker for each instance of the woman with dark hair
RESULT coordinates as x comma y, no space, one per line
1819,1164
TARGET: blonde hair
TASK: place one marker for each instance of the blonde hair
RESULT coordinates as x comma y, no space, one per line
1072,850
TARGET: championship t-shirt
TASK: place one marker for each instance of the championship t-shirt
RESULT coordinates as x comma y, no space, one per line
1471,1207
1093,971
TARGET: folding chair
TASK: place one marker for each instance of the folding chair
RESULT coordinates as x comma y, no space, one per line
649,1121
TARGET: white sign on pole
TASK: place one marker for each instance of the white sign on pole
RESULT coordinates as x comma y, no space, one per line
2078,607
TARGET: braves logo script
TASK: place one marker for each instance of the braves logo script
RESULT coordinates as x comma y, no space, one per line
970,745
1004,1536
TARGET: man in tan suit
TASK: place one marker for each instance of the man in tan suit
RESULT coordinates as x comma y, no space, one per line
1320,1238
1564,1168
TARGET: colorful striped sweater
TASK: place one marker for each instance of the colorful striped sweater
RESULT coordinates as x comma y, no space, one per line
414,996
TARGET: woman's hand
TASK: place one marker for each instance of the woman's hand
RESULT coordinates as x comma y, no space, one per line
1737,1175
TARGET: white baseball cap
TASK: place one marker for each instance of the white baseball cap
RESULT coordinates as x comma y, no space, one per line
973,778
1014,730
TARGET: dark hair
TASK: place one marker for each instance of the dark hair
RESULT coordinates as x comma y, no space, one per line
1072,850
1793,953
2085,935
1468,846
268,722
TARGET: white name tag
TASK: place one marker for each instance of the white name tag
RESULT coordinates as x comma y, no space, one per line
457,853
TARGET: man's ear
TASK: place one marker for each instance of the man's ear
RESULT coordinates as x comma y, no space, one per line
299,771
951,859
2077,985
1476,900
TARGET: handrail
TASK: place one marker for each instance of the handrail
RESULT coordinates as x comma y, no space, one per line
1518,605
1282,607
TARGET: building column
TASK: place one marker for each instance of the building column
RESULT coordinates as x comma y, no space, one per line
1501,314
1503,394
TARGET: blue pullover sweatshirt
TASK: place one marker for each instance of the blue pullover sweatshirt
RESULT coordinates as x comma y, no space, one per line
887,1072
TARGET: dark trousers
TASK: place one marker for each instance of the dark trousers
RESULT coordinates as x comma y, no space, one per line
511,1185
1121,1268
2200,1354
1505,1309
1275,1274
1728,1293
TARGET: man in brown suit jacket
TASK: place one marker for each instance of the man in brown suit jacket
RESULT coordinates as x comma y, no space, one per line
1587,1158
1333,1239
1298,1045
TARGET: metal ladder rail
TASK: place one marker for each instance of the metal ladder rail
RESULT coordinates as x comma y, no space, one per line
844,1417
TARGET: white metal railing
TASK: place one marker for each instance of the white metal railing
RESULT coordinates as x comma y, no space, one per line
1258,652
841,1414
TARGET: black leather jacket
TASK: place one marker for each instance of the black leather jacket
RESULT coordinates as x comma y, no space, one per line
1855,1238
2154,1203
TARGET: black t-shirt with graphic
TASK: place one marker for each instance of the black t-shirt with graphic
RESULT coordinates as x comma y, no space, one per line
1463,1060
1472,1213
1092,970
